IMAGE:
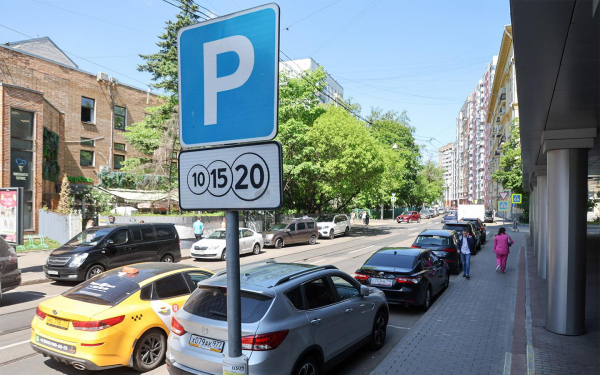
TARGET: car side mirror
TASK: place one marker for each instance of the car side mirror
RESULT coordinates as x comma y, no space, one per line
110,243
364,291
198,284
288,230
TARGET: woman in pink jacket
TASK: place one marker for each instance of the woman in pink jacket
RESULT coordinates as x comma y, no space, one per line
502,242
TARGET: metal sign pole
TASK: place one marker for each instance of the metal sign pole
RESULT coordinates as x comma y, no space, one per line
234,308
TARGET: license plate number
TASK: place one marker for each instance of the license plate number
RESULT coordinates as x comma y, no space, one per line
55,345
207,344
382,282
52,272
58,323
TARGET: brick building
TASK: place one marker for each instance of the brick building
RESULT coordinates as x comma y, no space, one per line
59,119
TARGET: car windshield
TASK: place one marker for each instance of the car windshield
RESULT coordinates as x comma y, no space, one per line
386,259
433,240
89,236
276,227
217,235
488,212
325,218
406,213
108,289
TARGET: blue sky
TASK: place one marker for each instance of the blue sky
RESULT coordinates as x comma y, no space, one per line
421,56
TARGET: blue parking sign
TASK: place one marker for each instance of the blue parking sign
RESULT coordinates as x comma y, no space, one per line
228,78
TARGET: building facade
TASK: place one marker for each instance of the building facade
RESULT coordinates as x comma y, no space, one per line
58,119
503,110
446,159
297,67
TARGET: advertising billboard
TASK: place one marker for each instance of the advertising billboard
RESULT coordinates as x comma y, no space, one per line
11,214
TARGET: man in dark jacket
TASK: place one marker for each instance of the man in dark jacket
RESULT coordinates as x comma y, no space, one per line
466,248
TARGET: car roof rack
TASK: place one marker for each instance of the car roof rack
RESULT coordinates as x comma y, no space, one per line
304,272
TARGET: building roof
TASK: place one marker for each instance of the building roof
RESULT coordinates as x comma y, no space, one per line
43,47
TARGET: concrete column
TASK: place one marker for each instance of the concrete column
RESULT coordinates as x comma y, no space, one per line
533,213
542,225
566,246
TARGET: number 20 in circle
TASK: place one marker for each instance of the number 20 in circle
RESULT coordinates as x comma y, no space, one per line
251,176
198,179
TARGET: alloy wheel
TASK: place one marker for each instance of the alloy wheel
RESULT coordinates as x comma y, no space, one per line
312,240
331,235
379,330
256,249
95,270
167,259
151,350
307,369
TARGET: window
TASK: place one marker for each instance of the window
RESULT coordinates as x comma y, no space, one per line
120,118
301,226
318,293
86,158
310,225
295,297
119,146
248,233
194,277
165,232
171,286
118,161
292,227
120,237
143,234
87,109
21,158
345,288
87,142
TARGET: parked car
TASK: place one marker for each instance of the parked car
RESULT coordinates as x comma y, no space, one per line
442,210
213,246
444,244
98,249
121,317
297,231
450,216
331,225
458,227
425,213
478,225
407,276
489,216
409,217
297,319
10,274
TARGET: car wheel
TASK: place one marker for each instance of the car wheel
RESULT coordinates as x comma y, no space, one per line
149,351
427,302
279,243
312,240
447,281
418,220
307,366
93,271
224,254
331,235
379,331
256,249
478,246
347,231
458,268
167,259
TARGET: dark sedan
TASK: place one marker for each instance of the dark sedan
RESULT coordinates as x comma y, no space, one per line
406,276
478,225
460,225
444,244
10,274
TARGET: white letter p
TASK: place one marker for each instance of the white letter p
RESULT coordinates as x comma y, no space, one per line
213,84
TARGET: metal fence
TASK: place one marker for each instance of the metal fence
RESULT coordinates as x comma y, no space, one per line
59,227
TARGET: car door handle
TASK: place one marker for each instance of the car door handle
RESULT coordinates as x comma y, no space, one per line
314,322
348,311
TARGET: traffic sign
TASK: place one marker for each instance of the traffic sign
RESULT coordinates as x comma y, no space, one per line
229,78
393,199
502,206
517,198
504,194
245,177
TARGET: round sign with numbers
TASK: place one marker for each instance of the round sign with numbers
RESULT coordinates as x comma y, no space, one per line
251,176
220,178
198,179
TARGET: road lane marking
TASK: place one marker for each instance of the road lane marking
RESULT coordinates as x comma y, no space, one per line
318,261
15,344
364,248
398,327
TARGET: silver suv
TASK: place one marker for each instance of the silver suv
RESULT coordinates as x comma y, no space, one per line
296,319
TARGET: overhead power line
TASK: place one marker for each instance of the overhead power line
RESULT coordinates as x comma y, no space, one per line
312,14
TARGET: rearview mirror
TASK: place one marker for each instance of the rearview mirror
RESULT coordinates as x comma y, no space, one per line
110,243
364,291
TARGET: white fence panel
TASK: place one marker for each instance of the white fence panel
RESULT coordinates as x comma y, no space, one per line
59,227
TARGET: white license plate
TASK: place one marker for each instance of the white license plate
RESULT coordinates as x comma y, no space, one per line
52,272
207,344
382,282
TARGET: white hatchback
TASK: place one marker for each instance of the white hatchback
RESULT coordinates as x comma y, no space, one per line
213,246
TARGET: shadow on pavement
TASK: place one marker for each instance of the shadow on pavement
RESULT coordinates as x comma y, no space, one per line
32,269
16,297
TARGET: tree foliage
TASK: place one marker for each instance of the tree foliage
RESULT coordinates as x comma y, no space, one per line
64,202
510,171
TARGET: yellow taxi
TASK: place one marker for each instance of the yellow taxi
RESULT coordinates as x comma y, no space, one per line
121,317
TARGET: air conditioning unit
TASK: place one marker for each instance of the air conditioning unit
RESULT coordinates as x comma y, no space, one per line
113,80
102,76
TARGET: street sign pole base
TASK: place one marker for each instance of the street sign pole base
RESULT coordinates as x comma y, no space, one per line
235,365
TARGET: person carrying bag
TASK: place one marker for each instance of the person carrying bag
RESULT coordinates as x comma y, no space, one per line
502,242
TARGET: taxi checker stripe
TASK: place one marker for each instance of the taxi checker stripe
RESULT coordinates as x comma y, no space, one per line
136,317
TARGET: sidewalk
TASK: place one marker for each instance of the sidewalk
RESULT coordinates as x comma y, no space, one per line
481,326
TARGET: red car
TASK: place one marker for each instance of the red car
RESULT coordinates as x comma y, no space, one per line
409,217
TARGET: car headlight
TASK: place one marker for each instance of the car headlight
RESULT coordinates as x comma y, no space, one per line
268,236
47,259
78,260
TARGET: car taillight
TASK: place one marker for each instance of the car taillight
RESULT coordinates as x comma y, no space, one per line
12,258
97,325
450,250
176,327
360,276
92,345
40,314
415,246
265,341
414,280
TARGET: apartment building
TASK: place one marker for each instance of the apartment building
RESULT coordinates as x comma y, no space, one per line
332,88
58,119
446,158
503,109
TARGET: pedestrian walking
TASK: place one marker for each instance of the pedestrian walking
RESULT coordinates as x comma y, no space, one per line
223,223
367,217
198,228
466,245
515,224
352,215
494,217
502,242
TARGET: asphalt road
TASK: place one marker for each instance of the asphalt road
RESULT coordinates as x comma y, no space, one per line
17,307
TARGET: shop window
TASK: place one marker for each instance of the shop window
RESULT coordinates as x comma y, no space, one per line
120,146
87,109
86,158
87,142
50,167
119,159
120,118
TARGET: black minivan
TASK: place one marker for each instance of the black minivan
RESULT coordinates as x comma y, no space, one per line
98,249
